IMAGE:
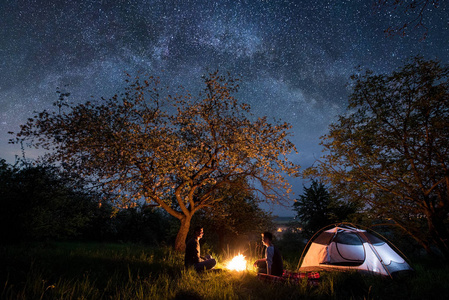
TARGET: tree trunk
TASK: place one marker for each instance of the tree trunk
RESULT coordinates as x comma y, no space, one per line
180,242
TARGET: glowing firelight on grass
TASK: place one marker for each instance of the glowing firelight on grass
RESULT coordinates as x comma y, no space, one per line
238,263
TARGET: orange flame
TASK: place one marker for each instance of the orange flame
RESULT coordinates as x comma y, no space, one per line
238,263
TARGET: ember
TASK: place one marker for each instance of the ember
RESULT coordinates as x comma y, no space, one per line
238,263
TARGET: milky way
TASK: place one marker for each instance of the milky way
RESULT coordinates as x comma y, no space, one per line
294,57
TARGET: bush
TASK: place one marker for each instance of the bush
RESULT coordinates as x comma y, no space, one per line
39,203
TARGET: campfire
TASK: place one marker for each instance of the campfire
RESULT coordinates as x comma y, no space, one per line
238,263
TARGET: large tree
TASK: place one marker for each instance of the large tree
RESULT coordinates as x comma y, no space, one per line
391,149
167,147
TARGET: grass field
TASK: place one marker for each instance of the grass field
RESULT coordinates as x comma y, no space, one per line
123,271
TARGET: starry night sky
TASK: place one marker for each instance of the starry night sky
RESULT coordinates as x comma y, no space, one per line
294,57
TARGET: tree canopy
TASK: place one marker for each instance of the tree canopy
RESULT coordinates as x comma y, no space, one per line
167,147
391,149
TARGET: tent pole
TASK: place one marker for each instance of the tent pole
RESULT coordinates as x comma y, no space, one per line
376,253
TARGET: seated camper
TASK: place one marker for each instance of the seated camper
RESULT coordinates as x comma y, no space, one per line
272,263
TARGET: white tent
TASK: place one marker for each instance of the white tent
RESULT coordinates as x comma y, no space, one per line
345,247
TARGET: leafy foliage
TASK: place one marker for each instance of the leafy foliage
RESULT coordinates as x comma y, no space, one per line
391,149
143,224
40,203
171,149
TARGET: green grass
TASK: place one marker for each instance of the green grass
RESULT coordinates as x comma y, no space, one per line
116,271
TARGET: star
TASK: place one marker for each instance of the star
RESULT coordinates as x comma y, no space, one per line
294,57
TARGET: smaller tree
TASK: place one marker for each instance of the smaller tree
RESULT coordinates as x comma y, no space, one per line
317,208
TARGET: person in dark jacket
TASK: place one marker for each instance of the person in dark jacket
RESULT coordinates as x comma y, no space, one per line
193,250
272,263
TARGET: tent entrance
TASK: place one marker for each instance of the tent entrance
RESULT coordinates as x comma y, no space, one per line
345,249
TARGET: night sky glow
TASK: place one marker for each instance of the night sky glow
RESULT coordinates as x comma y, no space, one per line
294,57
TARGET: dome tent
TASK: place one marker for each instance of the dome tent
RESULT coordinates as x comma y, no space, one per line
345,247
